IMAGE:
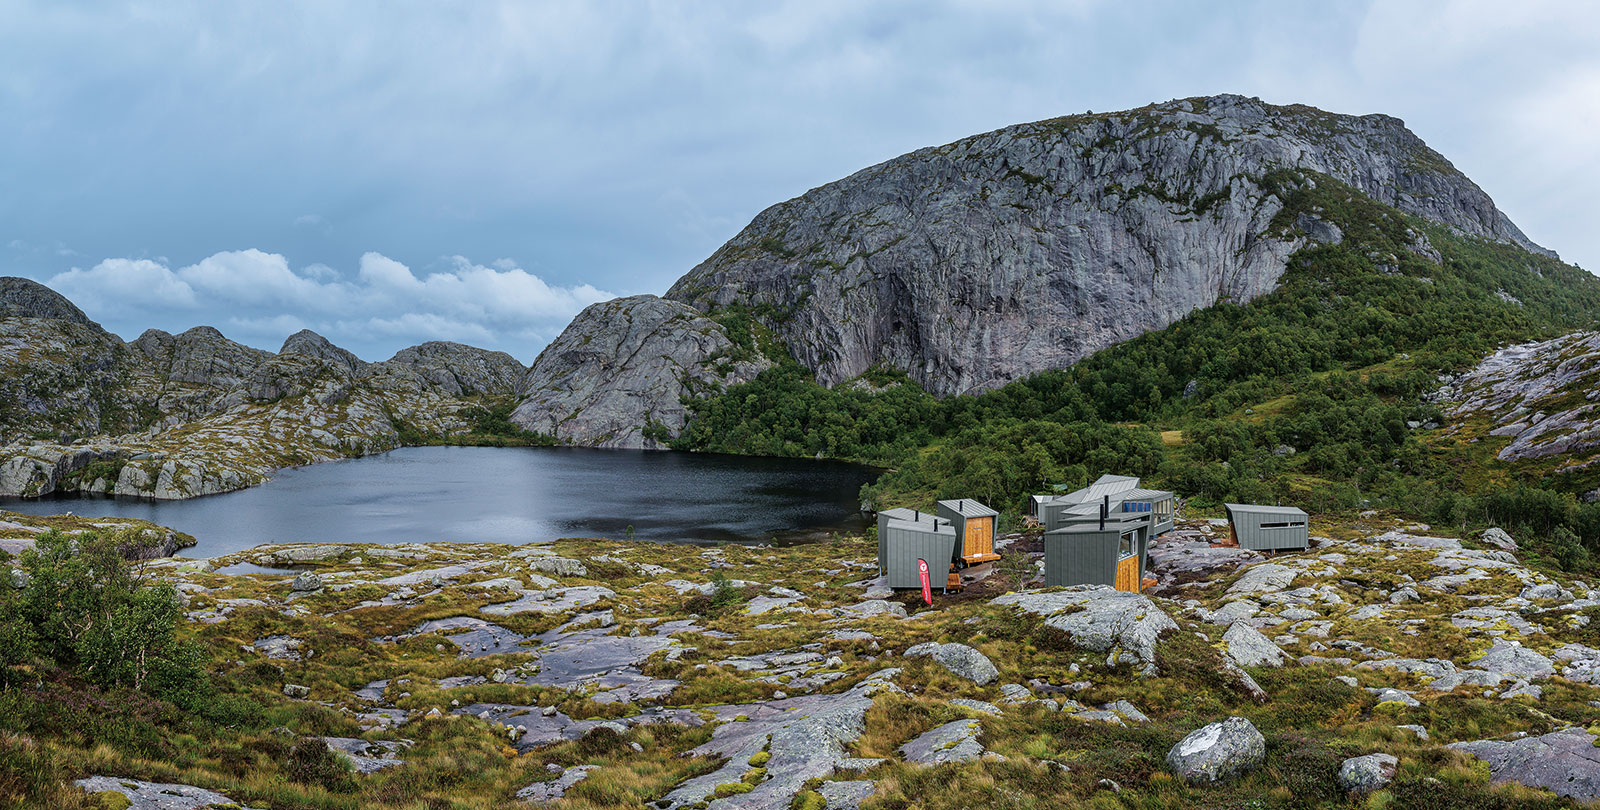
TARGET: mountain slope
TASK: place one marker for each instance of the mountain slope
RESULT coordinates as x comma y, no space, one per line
174,416
974,264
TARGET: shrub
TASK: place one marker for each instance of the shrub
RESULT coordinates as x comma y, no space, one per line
312,762
97,616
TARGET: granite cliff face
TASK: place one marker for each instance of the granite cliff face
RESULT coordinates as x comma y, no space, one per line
175,416
626,364
977,263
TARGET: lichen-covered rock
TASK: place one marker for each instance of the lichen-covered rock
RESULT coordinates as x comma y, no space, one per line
1097,617
306,581
1218,751
625,365
1498,538
157,796
1514,659
546,792
961,660
956,741
1368,773
1565,762
1249,648
560,566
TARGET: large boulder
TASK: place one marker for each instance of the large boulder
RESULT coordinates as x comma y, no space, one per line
1124,624
1249,648
952,742
1368,773
961,660
1565,762
1264,578
1218,751
1514,659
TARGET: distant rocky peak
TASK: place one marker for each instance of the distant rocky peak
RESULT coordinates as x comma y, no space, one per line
310,344
25,298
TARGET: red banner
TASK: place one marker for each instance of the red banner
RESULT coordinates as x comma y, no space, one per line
927,587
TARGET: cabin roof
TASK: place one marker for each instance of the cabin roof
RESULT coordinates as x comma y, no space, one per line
967,507
1260,509
930,524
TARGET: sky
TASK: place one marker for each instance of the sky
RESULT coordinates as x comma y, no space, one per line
391,172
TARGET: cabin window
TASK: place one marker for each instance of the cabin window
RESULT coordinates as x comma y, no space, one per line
1293,524
1125,546
1164,508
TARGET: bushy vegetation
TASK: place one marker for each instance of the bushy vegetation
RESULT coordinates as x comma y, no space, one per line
84,609
1311,394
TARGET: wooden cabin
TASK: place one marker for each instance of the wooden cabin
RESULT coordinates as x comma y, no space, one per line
1268,528
1112,552
975,524
904,540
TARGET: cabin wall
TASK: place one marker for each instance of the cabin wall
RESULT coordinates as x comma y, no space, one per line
1080,559
903,547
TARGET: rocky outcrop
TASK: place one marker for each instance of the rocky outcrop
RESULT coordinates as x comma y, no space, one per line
624,365
1565,762
1096,617
22,298
1541,395
461,370
176,416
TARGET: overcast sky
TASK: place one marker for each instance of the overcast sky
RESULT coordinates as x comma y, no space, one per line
387,173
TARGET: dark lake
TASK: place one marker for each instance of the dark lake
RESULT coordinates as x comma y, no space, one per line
508,495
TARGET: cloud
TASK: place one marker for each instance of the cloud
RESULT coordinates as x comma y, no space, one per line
384,307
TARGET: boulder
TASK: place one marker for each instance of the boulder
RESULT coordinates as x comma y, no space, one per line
1264,578
1368,773
1218,751
961,660
1249,648
1099,618
952,742
560,566
1514,659
1498,538
306,581
1565,762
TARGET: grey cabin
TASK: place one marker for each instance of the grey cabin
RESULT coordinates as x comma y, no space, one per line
1112,552
906,536
1117,493
1268,528
1100,535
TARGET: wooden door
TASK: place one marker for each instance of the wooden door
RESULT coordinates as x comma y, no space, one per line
1128,574
978,545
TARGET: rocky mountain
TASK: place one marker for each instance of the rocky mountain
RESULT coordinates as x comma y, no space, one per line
979,262
175,416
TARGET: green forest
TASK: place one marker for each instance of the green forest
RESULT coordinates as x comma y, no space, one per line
1314,394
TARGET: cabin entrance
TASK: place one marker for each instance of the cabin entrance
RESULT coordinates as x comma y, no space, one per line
1128,563
978,544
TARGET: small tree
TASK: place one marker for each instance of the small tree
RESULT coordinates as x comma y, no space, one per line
100,617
